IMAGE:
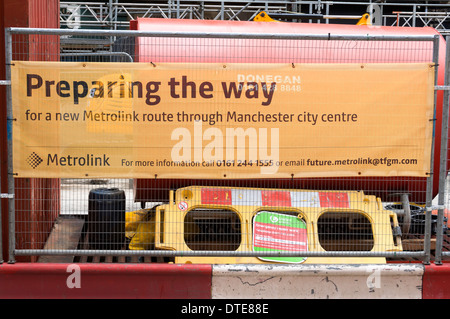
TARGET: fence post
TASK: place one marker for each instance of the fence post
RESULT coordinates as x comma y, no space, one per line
443,160
9,119
429,195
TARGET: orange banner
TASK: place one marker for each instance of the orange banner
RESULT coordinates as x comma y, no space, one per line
136,120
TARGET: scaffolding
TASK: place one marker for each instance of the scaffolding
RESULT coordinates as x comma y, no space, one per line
115,15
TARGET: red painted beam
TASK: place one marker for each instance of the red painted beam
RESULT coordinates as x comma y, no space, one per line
436,281
106,281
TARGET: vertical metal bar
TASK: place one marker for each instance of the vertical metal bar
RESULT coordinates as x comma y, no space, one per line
116,9
1,197
222,10
443,160
202,6
110,23
294,6
9,119
310,12
429,197
110,13
169,9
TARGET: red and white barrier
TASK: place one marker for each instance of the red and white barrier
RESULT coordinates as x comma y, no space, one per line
190,281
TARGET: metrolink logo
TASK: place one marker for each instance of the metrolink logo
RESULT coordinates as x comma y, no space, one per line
82,161
34,160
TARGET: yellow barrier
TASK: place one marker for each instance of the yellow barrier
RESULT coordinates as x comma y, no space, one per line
229,219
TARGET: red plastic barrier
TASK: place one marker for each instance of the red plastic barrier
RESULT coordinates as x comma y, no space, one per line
436,281
105,281
142,281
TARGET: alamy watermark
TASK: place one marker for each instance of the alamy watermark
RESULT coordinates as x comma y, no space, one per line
227,146
74,279
374,279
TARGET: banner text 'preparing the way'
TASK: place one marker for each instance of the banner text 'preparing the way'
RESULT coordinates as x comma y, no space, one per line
179,89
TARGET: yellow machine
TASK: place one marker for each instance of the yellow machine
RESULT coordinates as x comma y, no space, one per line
232,220
365,20
263,16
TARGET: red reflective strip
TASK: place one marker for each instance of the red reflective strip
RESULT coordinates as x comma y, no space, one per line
334,199
220,196
276,198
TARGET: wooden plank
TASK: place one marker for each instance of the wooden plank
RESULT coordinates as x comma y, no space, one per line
417,244
65,235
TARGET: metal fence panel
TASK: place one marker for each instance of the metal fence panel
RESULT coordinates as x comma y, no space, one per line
333,218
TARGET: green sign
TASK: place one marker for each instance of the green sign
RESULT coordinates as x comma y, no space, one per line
279,232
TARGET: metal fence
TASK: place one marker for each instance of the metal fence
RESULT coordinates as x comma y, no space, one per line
119,218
